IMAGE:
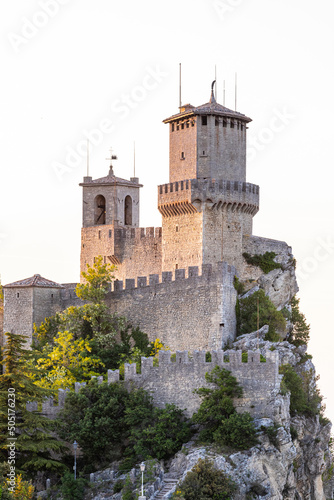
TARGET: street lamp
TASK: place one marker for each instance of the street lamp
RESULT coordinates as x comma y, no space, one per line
142,468
75,446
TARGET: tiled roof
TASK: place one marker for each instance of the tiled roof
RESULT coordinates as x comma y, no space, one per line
210,108
36,280
110,179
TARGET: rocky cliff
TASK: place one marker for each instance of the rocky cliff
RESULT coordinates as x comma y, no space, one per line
295,462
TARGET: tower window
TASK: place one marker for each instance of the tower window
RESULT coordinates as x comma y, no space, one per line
173,127
128,211
182,156
224,123
192,123
100,210
241,126
182,126
204,120
99,235
232,124
187,124
216,122
177,229
17,295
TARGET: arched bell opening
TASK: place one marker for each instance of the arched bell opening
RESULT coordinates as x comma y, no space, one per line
100,210
128,211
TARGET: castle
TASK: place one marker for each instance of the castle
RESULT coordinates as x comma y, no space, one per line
175,280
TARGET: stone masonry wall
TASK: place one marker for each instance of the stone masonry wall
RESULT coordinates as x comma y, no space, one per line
185,312
134,251
173,382
196,312
221,150
182,139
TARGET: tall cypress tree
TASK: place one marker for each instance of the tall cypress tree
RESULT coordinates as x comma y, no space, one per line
25,436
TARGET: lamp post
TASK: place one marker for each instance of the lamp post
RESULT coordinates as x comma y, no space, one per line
142,468
75,446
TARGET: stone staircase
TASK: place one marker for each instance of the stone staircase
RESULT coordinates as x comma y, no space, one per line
169,483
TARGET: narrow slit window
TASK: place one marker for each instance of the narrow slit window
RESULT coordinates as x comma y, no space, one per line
204,120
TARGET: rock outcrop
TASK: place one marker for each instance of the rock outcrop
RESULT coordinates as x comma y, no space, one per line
293,461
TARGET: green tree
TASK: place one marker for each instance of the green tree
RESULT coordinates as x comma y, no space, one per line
217,413
34,441
217,402
305,397
205,482
108,421
300,334
98,278
268,315
68,361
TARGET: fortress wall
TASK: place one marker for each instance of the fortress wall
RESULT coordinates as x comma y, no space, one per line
182,241
134,251
139,250
18,311
197,311
173,382
183,140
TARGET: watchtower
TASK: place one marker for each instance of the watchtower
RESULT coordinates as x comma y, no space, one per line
208,206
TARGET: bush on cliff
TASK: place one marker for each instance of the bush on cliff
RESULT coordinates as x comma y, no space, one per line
109,422
247,316
221,423
205,482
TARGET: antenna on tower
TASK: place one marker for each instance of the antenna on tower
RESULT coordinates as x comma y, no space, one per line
87,157
235,91
134,158
224,91
180,102
216,82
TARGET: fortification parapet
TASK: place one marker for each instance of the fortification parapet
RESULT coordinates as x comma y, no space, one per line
188,196
174,381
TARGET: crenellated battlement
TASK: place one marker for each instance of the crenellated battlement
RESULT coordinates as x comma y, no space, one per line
188,196
173,381
207,270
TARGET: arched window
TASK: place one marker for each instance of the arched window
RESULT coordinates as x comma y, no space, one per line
128,211
100,210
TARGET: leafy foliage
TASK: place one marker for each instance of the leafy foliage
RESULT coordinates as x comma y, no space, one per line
72,489
205,482
238,285
67,362
268,315
305,397
33,432
217,413
300,334
264,261
108,421
97,279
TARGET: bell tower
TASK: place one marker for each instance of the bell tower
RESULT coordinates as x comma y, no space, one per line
109,204
208,206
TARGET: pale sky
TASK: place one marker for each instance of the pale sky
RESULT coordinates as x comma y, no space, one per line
109,70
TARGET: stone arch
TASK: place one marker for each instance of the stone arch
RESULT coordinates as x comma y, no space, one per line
128,211
100,210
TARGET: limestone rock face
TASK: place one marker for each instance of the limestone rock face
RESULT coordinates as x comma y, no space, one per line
296,464
279,285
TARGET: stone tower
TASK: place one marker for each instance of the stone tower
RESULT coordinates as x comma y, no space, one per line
109,203
30,301
207,207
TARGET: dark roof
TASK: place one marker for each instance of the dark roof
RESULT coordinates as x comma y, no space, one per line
210,108
36,280
109,180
